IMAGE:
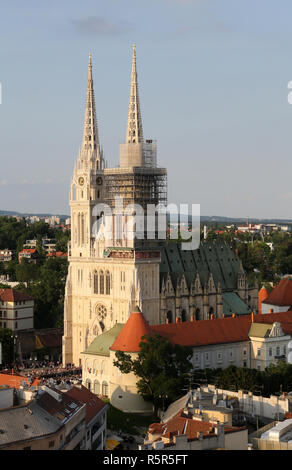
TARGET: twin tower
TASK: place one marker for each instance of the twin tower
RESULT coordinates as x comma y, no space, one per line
110,269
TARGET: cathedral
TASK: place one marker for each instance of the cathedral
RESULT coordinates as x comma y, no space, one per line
112,272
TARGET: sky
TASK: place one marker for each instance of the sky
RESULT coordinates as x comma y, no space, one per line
213,79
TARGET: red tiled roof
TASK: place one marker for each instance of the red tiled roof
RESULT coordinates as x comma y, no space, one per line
203,332
93,404
263,294
196,333
16,380
28,250
282,294
181,424
57,254
129,338
11,295
219,330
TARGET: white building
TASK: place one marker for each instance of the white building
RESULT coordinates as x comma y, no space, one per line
16,310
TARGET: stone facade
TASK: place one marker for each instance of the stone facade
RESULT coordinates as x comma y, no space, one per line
109,274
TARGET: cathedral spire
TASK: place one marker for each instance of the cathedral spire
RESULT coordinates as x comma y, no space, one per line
90,144
134,129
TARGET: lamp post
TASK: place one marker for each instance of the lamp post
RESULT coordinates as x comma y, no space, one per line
14,337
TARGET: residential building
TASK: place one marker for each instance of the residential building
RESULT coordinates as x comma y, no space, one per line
274,436
188,430
51,421
6,255
269,344
96,416
250,404
48,244
30,254
16,310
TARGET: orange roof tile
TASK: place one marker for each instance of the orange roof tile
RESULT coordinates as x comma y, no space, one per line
281,294
16,380
196,333
11,295
57,254
129,338
263,294
182,424
219,330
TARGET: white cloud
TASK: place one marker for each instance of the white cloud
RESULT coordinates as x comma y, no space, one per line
94,25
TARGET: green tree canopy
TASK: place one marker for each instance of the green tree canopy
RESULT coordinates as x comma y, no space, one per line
161,369
6,340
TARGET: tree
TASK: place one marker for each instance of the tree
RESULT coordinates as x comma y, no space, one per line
6,340
161,369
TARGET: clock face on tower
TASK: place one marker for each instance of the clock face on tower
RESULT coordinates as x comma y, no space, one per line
99,180
81,181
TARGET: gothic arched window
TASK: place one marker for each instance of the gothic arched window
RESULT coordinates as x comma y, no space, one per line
101,282
105,389
107,283
95,282
169,316
96,388
197,314
82,229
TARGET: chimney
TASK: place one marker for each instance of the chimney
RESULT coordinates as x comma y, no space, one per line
212,316
177,320
233,315
223,315
192,318
167,320
252,317
271,310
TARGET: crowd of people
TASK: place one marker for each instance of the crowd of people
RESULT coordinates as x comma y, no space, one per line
47,372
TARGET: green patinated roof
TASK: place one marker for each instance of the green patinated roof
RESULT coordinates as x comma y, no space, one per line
232,303
216,257
100,346
259,330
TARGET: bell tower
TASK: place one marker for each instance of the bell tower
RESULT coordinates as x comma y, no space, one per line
87,182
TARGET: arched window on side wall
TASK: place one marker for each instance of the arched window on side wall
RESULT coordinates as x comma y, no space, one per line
95,282
211,312
169,317
105,389
101,282
107,283
96,389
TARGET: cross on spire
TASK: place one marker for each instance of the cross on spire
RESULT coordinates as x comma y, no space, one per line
134,128
90,144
